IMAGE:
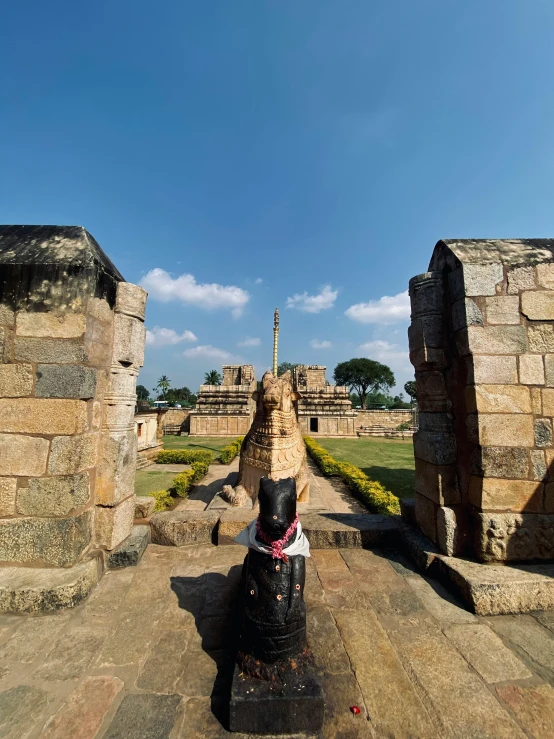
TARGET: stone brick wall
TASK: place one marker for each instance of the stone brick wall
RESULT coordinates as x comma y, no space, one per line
71,344
482,344
390,419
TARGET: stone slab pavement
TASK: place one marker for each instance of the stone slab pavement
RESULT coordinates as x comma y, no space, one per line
150,655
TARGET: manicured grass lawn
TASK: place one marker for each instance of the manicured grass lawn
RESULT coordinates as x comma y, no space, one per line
146,482
211,443
390,461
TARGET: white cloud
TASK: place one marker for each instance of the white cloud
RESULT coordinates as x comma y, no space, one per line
250,342
317,344
167,336
386,353
385,310
258,281
207,352
161,286
314,303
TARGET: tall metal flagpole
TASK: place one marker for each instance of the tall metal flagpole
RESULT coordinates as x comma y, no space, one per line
275,340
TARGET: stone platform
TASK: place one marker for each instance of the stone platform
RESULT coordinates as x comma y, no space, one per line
149,654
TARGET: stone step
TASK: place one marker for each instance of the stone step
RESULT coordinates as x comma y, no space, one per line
25,589
130,551
181,527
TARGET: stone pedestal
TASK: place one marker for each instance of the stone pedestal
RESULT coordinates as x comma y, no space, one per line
261,707
71,343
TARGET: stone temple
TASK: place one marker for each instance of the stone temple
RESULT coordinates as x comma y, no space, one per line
226,409
323,409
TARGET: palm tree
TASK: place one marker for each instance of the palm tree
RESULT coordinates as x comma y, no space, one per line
212,378
163,385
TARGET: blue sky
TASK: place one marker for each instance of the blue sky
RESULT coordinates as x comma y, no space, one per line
237,155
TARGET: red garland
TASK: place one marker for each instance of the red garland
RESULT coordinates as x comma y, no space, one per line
277,546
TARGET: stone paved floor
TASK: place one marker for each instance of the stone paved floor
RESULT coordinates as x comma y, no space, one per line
148,656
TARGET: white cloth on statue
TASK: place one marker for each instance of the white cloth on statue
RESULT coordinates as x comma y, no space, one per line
300,545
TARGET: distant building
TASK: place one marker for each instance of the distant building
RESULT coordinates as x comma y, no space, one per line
323,409
226,409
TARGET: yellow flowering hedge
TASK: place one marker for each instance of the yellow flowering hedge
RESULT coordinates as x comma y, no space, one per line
229,452
181,485
183,456
374,495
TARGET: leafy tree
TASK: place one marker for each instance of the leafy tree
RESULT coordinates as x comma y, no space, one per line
163,385
355,400
399,402
212,378
284,366
142,392
363,375
410,388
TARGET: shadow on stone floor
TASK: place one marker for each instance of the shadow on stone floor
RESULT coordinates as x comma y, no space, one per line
206,493
214,600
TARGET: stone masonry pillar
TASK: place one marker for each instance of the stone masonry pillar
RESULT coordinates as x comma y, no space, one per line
482,345
71,343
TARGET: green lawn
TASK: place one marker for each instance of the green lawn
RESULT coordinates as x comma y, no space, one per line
211,443
389,461
146,482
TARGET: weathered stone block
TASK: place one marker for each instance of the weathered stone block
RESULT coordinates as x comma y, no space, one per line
437,448
492,340
492,369
431,391
56,351
541,338
42,416
545,275
16,380
426,331
538,465
426,293
130,551
549,369
65,381
116,468
29,590
451,536
50,325
498,399
53,496
427,358
514,536
491,494
179,528
100,310
503,310
549,497
482,279
122,383
521,278
7,316
45,541
543,432
119,415
129,339
507,462
465,312
531,369
23,455
536,400
114,524
438,422
548,402
70,454
438,483
8,488
131,300
144,506
426,516
538,305
496,429
98,342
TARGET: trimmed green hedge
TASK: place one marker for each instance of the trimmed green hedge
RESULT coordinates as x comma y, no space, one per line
181,484
373,494
183,456
229,452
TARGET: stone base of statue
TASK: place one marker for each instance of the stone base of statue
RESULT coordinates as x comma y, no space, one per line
293,706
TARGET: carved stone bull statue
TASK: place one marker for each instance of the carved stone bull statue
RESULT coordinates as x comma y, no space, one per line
274,446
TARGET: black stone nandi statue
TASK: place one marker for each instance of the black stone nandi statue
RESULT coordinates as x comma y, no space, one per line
275,689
